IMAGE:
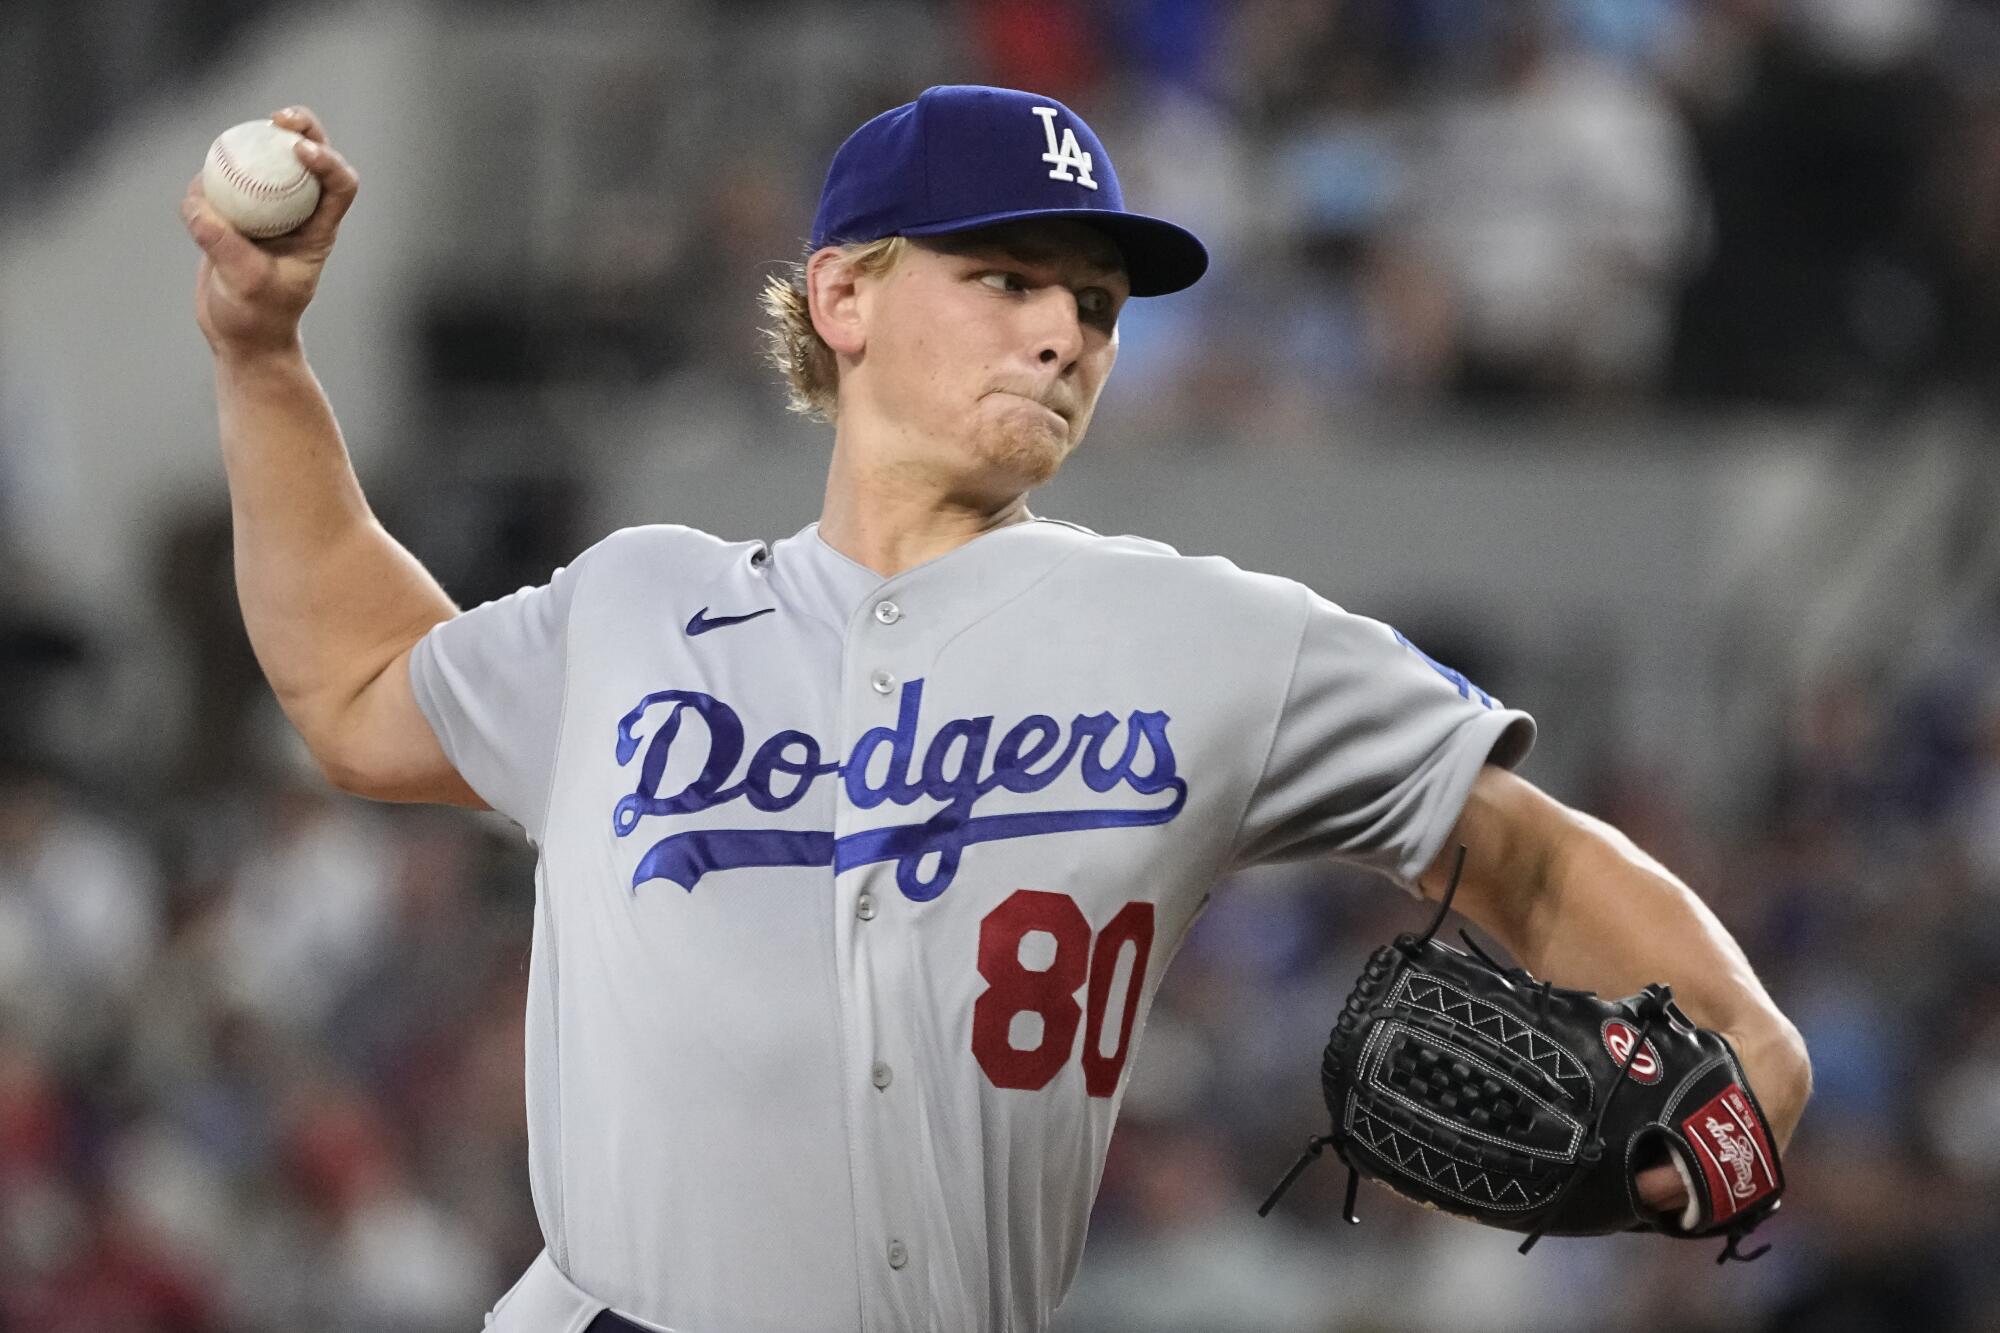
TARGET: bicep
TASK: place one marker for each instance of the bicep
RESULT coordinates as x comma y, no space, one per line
386,749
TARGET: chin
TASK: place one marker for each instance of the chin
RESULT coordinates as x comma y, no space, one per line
1027,445
1027,456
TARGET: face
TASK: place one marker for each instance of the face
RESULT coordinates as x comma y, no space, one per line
981,356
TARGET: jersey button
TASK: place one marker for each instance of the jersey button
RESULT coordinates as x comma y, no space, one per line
864,907
883,682
898,1256
882,1075
888,612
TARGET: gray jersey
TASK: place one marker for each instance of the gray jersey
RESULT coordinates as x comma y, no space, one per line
853,892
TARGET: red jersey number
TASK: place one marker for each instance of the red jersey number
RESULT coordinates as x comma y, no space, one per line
1048,990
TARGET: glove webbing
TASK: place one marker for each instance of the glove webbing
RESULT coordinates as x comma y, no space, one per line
1319,1142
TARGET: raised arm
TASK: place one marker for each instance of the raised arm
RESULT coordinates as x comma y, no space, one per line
332,602
1578,903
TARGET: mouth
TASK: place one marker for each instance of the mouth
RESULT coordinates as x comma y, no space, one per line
1055,412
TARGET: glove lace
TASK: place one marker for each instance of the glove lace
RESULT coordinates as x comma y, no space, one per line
1314,1146
1593,1147
1729,1250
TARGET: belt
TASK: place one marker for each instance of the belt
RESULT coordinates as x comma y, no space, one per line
546,1301
612,1323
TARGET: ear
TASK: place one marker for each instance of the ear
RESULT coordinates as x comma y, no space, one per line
832,299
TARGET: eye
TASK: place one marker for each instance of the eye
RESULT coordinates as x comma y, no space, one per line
1094,301
1002,281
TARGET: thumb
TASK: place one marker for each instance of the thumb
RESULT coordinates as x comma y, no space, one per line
224,245
205,229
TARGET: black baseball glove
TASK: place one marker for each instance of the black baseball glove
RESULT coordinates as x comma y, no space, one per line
1479,1090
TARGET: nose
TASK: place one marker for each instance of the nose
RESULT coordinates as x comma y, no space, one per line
1058,328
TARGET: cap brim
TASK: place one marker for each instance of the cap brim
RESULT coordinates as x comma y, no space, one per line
1159,257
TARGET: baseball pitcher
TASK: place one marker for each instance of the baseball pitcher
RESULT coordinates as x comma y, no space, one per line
862,852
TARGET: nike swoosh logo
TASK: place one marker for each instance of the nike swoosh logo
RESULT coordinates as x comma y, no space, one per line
703,622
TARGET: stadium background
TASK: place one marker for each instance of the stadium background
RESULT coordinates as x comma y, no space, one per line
1636,356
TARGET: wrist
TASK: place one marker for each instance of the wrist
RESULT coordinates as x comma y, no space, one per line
248,358
1774,1058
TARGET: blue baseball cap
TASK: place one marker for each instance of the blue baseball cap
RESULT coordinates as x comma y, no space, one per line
962,156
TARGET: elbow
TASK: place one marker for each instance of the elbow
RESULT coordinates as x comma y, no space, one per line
344,776
378,772
338,764
371,775
336,729
319,733
347,766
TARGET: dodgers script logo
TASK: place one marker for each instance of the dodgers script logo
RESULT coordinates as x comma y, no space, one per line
954,769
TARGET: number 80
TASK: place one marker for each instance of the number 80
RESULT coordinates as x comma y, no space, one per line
1014,988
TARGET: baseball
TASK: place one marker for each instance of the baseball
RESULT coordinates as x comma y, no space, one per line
254,179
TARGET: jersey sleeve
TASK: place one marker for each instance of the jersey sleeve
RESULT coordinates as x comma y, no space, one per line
490,683
1374,752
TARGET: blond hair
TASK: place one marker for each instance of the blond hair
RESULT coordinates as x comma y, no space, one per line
793,346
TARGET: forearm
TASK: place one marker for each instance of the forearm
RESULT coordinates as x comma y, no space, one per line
1577,902
1613,919
328,597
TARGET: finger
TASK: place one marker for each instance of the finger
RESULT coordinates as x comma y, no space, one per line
1660,1189
337,183
301,120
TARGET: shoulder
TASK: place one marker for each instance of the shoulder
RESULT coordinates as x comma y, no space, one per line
656,550
654,540
1154,567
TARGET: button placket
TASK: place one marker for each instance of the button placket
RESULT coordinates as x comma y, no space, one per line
881,680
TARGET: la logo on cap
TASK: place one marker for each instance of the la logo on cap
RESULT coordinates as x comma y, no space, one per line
1068,154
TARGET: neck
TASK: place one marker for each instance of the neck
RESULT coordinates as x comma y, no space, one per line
892,517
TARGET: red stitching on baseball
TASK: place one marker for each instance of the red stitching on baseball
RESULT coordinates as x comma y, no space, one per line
235,176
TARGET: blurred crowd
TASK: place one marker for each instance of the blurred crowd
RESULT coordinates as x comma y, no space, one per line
259,1061
260,1045
1585,202
1588,203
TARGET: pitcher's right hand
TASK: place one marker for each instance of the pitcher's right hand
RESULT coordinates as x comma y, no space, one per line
249,294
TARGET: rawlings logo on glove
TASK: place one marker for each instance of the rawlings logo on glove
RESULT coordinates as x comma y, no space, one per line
1735,1153
1480,1090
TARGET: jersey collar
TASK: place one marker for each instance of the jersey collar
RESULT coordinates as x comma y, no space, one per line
956,589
